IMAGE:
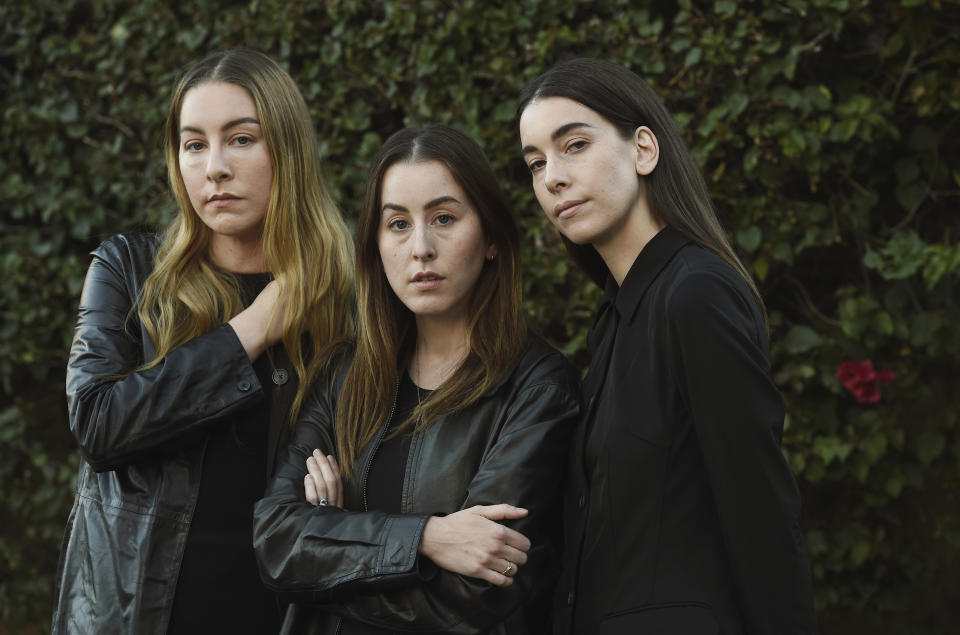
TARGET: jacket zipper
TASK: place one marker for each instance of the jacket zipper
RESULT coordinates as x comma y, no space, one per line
377,440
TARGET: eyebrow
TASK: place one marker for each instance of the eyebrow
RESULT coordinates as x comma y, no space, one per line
226,126
437,202
559,132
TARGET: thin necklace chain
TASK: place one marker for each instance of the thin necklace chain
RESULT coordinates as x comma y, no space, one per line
446,374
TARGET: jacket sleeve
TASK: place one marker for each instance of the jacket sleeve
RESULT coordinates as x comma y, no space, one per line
365,565
117,412
719,349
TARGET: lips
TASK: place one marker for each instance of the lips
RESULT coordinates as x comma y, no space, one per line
566,209
222,200
426,280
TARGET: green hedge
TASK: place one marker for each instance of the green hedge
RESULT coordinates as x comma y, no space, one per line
827,131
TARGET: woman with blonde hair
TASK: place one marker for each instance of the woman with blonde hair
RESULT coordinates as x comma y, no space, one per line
192,354
448,423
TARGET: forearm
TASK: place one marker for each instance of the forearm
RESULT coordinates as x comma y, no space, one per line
117,412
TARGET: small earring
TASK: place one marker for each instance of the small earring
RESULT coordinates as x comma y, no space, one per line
491,256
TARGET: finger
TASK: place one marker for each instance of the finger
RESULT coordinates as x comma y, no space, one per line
310,490
331,477
318,481
499,512
333,463
497,578
511,554
339,491
506,568
513,538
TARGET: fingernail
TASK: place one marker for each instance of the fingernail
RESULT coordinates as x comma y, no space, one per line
329,457
316,453
307,477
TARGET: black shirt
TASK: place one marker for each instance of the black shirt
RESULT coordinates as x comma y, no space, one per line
219,588
681,514
385,480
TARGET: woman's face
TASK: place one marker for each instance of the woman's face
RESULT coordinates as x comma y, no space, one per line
585,175
431,239
224,161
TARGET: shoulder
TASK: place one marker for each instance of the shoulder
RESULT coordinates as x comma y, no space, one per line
541,364
131,252
701,281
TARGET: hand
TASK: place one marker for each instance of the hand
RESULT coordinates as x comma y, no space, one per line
323,480
251,324
471,542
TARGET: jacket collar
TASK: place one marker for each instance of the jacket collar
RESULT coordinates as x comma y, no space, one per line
649,263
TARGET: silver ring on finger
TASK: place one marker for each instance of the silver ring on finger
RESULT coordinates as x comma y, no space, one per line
322,502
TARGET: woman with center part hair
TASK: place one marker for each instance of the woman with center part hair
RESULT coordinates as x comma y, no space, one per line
681,514
192,354
447,422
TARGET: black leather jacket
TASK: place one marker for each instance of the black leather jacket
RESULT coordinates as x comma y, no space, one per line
509,447
138,482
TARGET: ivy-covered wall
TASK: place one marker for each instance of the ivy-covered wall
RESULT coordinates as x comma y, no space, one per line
827,131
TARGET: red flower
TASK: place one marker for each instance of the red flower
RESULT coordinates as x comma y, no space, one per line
861,379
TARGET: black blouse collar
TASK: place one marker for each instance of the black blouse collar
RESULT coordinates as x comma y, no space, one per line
651,260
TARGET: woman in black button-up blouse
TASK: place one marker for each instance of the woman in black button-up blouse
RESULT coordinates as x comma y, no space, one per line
681,515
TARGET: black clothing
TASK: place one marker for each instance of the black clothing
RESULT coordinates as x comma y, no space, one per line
385,480
142,435
508,447
218,571
681,515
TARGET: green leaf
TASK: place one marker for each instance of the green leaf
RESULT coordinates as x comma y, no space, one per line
830,448
693,57
749,238
801,338
911,195
725,7
930,445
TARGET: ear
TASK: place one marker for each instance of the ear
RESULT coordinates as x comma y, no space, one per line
648,150
491,252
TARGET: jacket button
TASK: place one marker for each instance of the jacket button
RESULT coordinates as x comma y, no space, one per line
280,376
583,501
570,598
244,386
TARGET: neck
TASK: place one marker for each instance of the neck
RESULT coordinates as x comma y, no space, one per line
237,255
621,248
441,347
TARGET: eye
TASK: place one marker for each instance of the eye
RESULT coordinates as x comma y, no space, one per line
444,219
536,164
579,144
193,146
398,224
243,140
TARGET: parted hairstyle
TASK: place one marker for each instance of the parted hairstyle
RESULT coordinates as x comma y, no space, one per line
676,191
386,329
306,244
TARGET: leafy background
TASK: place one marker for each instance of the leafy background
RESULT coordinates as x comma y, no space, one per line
826,129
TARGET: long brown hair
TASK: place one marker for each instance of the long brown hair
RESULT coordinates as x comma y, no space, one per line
306,243
676,191
496,331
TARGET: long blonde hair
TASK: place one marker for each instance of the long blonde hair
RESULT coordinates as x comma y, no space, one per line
306,243
496,332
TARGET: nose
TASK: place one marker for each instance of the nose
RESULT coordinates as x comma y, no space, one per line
555,177
423,247
218,168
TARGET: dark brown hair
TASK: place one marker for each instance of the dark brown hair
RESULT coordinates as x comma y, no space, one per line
676,191
387,329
